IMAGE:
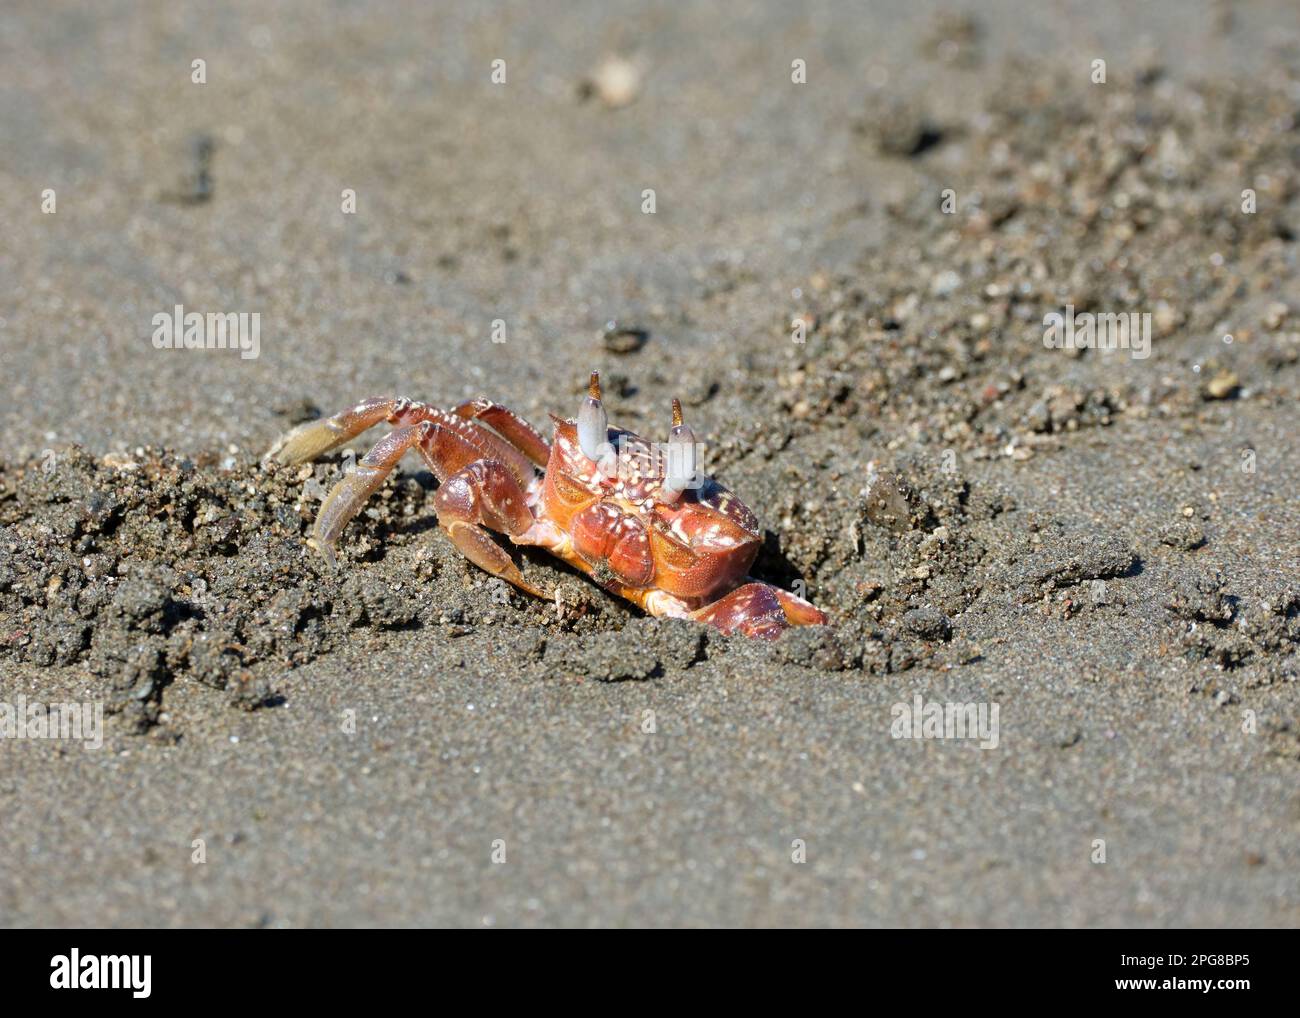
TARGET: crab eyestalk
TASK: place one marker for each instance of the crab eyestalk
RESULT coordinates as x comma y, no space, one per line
593,430
682,465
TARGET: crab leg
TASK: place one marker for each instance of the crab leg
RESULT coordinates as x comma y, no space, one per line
514,442
310,440
445,449
517,431
485,494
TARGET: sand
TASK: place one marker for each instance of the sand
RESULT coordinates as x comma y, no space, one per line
1100,544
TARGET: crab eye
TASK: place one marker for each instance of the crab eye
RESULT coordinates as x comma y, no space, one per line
682,462
593,429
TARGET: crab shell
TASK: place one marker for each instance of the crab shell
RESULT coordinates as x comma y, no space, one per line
697,546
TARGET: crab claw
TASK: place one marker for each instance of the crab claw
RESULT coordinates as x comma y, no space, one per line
593,430
759,609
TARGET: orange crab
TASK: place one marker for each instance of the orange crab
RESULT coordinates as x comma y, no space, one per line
637,517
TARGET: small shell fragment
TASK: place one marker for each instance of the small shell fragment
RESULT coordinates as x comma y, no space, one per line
616,82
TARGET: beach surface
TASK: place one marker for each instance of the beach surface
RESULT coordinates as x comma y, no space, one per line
836,234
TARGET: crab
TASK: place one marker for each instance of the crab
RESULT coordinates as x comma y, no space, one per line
638,517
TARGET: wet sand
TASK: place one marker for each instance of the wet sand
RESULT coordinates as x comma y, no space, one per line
1102,544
